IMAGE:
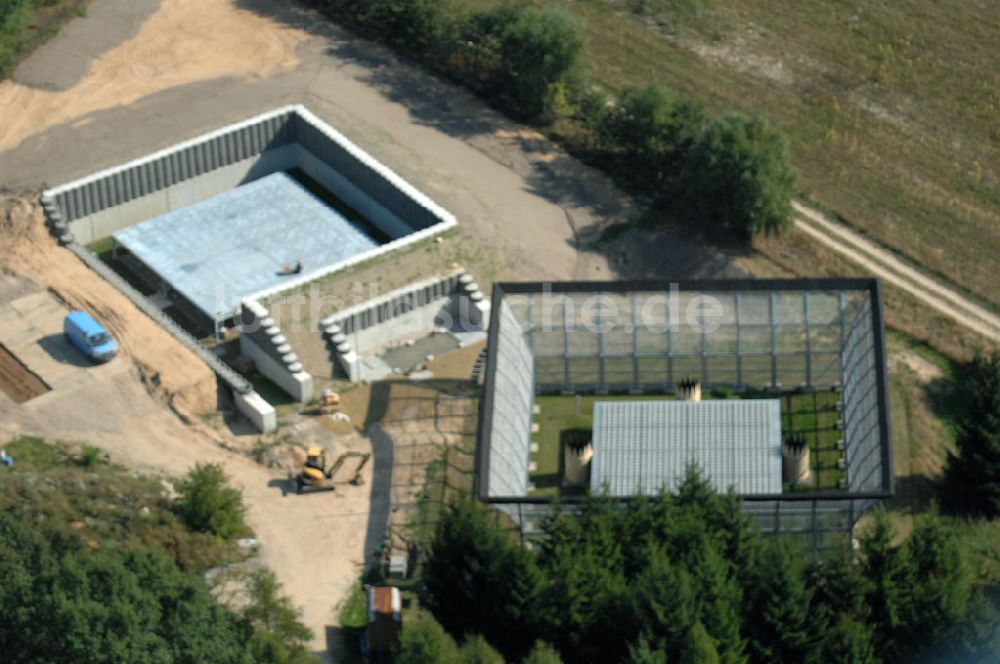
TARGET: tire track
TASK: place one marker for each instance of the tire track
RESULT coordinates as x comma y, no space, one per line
890,269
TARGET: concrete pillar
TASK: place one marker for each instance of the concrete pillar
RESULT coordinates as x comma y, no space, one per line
689,390
795,460
577,458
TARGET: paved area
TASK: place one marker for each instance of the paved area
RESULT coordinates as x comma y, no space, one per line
31,327
60,63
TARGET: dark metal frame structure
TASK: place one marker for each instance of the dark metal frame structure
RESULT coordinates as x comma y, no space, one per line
820,518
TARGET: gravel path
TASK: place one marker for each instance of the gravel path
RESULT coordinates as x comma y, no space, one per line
890,269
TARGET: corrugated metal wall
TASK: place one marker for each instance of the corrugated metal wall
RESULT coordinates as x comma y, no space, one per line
357,320
164,170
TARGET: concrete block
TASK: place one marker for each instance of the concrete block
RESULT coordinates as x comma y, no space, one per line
258,411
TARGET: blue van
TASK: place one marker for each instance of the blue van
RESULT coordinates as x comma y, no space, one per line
89,337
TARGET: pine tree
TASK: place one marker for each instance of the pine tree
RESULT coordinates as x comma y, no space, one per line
475,650
699,647
480,581
542,653
776,618
424,641
846,640
941,582
888,570
642,653
973,475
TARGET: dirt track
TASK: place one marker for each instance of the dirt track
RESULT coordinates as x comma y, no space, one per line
17,381
883,264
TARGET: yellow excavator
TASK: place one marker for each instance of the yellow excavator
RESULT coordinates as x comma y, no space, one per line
315,476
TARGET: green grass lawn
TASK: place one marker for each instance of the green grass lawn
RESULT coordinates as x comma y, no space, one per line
815,417
561,418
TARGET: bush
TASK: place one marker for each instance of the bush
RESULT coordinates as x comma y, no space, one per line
540,49
208,504
648,134
739,178
89,455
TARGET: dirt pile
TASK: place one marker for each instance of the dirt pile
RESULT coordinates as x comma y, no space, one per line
167,367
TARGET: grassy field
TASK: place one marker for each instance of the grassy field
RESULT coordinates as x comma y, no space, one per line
560,418
890,107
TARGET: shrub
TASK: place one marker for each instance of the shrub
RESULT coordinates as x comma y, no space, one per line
739,177
539,48
89,455
649,134
208,504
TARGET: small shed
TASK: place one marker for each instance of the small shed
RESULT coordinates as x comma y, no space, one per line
385,620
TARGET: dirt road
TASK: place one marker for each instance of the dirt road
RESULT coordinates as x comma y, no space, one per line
883,264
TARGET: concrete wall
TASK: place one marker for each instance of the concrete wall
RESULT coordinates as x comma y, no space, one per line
261,341
257,410
348,192
405,325
380,183
138,178
453,300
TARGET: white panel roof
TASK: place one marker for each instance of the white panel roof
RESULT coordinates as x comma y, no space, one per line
643,446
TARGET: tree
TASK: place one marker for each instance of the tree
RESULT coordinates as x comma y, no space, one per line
469,553
542,653
942,584
846,641
424,641
475,650
889,574
739,177
777,618
642,653
276,633
651,133
539,50
71,603
699,648
207,503
973,475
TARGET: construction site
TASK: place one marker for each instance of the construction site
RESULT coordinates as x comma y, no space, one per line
307,257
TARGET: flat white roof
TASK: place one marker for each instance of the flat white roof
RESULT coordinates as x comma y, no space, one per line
641,447
233,245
